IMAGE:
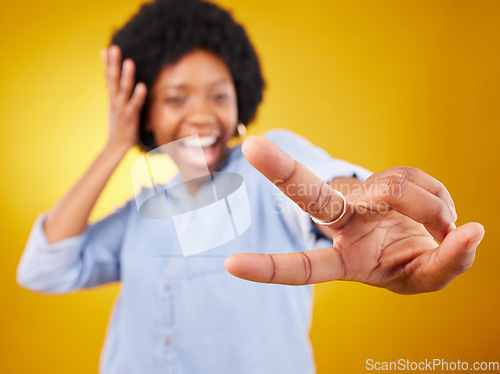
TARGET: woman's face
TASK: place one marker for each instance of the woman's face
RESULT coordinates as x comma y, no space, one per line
196,95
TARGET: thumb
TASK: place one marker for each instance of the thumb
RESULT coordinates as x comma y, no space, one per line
453,257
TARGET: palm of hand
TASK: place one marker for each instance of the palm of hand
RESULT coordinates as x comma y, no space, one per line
383,250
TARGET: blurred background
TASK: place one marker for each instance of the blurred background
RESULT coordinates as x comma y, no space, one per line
377,83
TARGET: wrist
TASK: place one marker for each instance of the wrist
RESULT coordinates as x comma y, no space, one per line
114,153
116,149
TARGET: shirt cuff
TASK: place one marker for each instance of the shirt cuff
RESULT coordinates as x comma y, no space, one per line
341,169
63,251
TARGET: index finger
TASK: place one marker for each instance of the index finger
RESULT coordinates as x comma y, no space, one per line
307,190
113,70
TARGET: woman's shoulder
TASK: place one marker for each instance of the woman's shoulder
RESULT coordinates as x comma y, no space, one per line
298,147
294,144
286,138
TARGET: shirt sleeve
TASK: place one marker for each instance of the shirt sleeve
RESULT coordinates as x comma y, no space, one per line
314,158
323,165
86,260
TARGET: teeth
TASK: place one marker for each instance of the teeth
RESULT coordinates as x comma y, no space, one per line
201,141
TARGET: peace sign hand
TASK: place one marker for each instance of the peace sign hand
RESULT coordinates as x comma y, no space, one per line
385,239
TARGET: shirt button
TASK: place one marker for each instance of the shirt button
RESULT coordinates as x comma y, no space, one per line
168,340
167,287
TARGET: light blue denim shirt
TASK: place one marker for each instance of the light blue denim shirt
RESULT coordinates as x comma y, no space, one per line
188,315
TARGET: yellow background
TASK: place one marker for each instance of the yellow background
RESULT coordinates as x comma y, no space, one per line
377,83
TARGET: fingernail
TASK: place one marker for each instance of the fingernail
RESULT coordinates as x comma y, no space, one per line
473,243
451,227
453,213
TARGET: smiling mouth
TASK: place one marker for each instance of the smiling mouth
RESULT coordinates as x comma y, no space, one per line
201,151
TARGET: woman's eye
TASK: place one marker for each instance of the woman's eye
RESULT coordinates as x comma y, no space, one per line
220,97
174,100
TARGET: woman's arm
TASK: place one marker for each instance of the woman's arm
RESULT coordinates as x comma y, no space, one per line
69,217
62,254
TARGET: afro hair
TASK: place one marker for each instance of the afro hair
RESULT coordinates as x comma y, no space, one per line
163,31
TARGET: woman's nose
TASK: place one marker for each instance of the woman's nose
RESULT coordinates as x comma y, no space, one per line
201,120
201,115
